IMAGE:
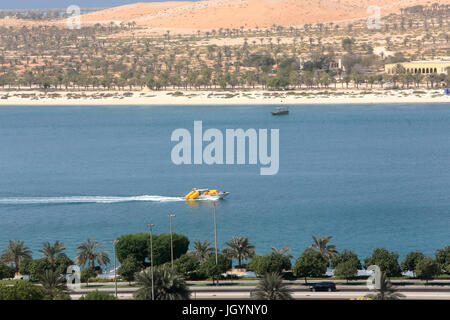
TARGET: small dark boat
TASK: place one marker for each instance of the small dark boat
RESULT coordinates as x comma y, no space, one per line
280,111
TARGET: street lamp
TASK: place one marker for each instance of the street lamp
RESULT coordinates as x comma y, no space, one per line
171,237
114,242
151,257
215,231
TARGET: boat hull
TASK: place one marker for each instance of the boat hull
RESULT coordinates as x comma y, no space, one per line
221,195
279,113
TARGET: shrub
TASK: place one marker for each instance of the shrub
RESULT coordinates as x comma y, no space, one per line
269,263
21,290
129,267
98,295
186,265
6,271
88,273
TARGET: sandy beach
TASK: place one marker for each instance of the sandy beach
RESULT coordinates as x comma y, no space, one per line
149,98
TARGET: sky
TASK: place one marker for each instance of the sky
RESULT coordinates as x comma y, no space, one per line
45,4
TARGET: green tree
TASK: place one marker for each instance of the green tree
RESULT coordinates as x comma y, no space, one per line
34,268
411,260
129,267
168,285
283,251
212,270
62,263
344,256
136,245
52,251
186,264
427,268
346,270
161,247
87,273
270,263
202,250
15,253
321,245
239,248
271,287
88,252
98,295
54,285
386,261
310,264
443,257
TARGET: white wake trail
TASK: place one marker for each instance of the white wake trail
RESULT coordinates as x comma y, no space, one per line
87,199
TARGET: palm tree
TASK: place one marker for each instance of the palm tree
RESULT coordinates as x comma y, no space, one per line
88,253
240,248
385,291
283,251
321,245
54,283
168,285
202,250
271,287
15,252
51,252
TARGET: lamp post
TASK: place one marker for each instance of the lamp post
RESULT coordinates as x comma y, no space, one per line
215,231
151,257
114,242
171,237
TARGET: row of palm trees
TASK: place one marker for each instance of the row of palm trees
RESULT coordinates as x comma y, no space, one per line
88,253
167,283
241,249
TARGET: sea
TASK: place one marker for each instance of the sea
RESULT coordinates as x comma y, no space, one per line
371,176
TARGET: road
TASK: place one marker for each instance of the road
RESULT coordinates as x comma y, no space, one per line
298,292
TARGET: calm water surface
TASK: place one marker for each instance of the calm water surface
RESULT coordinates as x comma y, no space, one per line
371,176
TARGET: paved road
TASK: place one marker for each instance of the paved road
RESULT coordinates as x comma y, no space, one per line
294,288
239,295
233,282
299,292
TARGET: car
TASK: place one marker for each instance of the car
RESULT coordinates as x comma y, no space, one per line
323,286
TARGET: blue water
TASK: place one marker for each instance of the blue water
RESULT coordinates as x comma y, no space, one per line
371,176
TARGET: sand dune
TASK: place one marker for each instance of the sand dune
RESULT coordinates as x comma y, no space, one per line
214,14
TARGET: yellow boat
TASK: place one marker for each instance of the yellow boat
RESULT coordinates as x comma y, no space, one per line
205,194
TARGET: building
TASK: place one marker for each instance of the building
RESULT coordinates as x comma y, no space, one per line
425,67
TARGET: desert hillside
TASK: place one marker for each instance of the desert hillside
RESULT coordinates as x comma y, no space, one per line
214,14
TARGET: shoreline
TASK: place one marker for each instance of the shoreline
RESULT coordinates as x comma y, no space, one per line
160,98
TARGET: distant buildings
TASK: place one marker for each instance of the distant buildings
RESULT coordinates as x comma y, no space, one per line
422,67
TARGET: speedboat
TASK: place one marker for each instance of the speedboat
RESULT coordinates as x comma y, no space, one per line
206,194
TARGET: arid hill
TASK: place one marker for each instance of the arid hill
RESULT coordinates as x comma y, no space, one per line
215,14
